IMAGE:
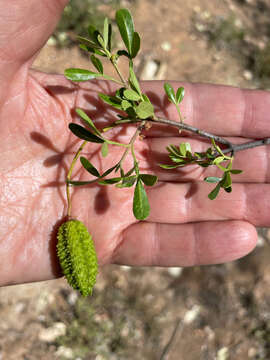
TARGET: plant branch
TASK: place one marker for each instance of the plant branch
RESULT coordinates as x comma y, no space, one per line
183,126
69,176
231,147
113,61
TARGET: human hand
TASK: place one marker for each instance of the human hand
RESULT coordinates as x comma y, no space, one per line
184,227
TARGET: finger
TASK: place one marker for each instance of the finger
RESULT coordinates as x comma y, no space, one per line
24,29
146,244
222,110
255,162
183,203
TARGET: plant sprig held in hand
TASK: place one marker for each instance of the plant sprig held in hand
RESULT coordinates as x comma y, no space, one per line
134,107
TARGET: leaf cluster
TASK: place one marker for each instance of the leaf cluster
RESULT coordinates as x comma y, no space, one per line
182,156
133,177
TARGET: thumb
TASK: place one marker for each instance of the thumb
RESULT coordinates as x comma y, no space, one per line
24,28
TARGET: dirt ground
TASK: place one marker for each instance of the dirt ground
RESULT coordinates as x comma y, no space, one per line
212,312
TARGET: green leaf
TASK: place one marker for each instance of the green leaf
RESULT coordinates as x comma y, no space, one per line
123,53
107,172
214,193
144,110
127,181
101,41
104,149
226,181
131,95
93,33
183,149
172,149
133,79
92,50
146,98
170,92
97,64
84,134
141,207
130,171
218,160
136,43
168,167
212,179
106,32
75,74
89,167
88,42
235,171
110,181
111,100
88,121
180,94
148,179
125,105
126,27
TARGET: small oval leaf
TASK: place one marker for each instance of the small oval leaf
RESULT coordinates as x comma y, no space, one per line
126,27
149,179
84,134
131,95
136,43
75,74
212,179
104,149
170,92
97,63
87,120
141,207
89,167
144,110
214,193
180,94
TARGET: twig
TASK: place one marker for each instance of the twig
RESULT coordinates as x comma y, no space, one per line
183,126
231,147
170,342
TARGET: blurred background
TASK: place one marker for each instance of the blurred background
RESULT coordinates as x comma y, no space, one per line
212,312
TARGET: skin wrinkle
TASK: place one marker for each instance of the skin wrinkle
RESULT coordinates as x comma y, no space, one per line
195,247
154,251
248,112
266,163
244,210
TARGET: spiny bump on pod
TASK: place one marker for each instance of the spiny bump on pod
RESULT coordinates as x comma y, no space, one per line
77,256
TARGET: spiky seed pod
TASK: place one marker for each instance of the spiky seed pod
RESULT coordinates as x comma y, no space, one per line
77,256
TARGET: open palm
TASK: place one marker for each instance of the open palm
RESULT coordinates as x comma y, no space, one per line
184,227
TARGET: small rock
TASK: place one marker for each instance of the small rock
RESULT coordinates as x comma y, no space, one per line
166,46
248,75
51,41
125,267
62,36
65,352
175,271
150,69
72,298
192,314
223,353
53,332
252,352
200,27
260,241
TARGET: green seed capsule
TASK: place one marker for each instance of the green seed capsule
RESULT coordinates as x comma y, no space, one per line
77,256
